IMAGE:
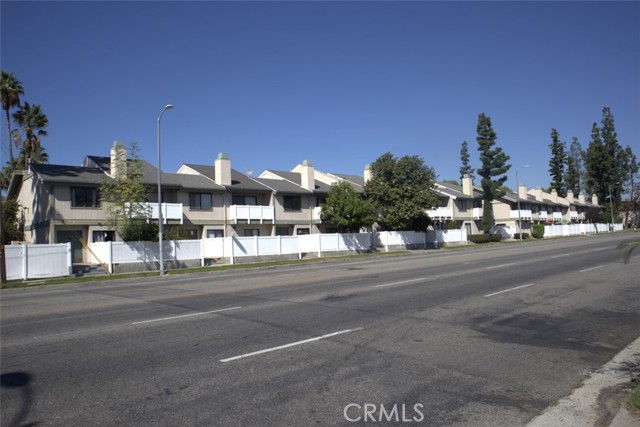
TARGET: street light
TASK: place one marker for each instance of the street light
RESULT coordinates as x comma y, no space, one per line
518,193
166,107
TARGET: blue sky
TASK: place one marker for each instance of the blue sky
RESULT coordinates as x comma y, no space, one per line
338,83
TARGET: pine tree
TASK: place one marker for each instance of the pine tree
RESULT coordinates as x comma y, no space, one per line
557,163
466,168
575,169
594,164
493,170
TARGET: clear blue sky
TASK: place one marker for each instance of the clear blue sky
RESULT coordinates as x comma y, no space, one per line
338,83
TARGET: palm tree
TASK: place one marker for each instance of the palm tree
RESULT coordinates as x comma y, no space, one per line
10,91
33,121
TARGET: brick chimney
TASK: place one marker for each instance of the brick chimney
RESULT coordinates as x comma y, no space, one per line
118,159
222,169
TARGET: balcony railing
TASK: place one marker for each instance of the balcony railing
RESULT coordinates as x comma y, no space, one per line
577,216
543,215
316,214
170,211
250,213
477,213
525,214
440,213
557,216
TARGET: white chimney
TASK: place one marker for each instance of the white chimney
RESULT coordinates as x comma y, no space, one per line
307,176
570,196
537,193
367,173
118,159
554,195
581,198
222,170
467,185
594,200
522,191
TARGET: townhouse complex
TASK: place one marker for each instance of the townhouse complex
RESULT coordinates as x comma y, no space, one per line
61,204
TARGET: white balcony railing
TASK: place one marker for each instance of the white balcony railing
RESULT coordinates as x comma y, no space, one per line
316,214
477,213
170,211
543,215
557,216
525,214
577,216
251,213
441,213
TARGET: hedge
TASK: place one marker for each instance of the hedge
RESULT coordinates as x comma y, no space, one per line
538,231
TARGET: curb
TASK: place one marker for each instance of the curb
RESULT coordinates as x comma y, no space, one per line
587,406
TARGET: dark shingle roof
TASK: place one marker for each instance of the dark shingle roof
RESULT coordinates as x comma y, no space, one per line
456,191
296,178
239,181
283,186
69,174
354,179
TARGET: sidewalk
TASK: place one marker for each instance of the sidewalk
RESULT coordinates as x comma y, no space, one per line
599,401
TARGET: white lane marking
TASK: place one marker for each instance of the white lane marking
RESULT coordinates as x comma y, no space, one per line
602,249
187,315
560,256
280,347
592,268
401,283
500,266
509,290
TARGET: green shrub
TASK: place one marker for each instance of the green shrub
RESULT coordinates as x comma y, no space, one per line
538,231
452,225
479,238
496,237
524,236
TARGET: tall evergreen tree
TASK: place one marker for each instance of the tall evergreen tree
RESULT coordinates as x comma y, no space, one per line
575,169
493,170
594,165
466,168
557,163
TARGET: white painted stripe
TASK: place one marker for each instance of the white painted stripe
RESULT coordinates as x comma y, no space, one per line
560,256
401,283
602,249
500,266
592,268
280,347
186,315
508,290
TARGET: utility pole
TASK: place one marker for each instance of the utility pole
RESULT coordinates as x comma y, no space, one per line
3,263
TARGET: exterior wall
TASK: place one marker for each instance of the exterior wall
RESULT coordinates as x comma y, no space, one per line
303,216
35,210
202,216
65,212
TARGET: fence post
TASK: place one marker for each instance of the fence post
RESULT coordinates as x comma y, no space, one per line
299,247
386,243
202,251
319,245
69,258
279,245
338,242
231,257
25,262
257,244
110,257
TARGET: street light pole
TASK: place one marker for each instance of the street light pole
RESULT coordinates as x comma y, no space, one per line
518,193
160,228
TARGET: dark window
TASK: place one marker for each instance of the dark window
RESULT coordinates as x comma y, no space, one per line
251,232
244,200
103,236
303,231
332,230
320,201
214,233
200,201
85,197
292,203
282,231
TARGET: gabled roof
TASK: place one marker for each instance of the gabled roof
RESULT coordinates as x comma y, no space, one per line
354,179
295,178
69,174
455,191
239,181
283,186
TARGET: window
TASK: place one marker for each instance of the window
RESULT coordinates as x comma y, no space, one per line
303,231
200,201
214,234
244,200
103,236
249,232
292,203
320,201
282,231
85,197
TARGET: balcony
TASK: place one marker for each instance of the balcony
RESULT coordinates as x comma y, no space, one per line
250,214
525,214
577,216
557,216
440,213
477,213
170,211
543,215
316,214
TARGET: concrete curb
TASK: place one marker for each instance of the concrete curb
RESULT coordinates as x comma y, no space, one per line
588,405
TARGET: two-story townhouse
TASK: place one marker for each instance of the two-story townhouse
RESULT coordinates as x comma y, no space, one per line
61,203
459,203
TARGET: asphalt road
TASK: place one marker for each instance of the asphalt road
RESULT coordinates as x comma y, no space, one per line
457,338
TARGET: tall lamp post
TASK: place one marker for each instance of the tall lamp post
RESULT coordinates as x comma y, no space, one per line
160,230
518,192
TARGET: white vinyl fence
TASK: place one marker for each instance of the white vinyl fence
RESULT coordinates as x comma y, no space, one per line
38,261
577,229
